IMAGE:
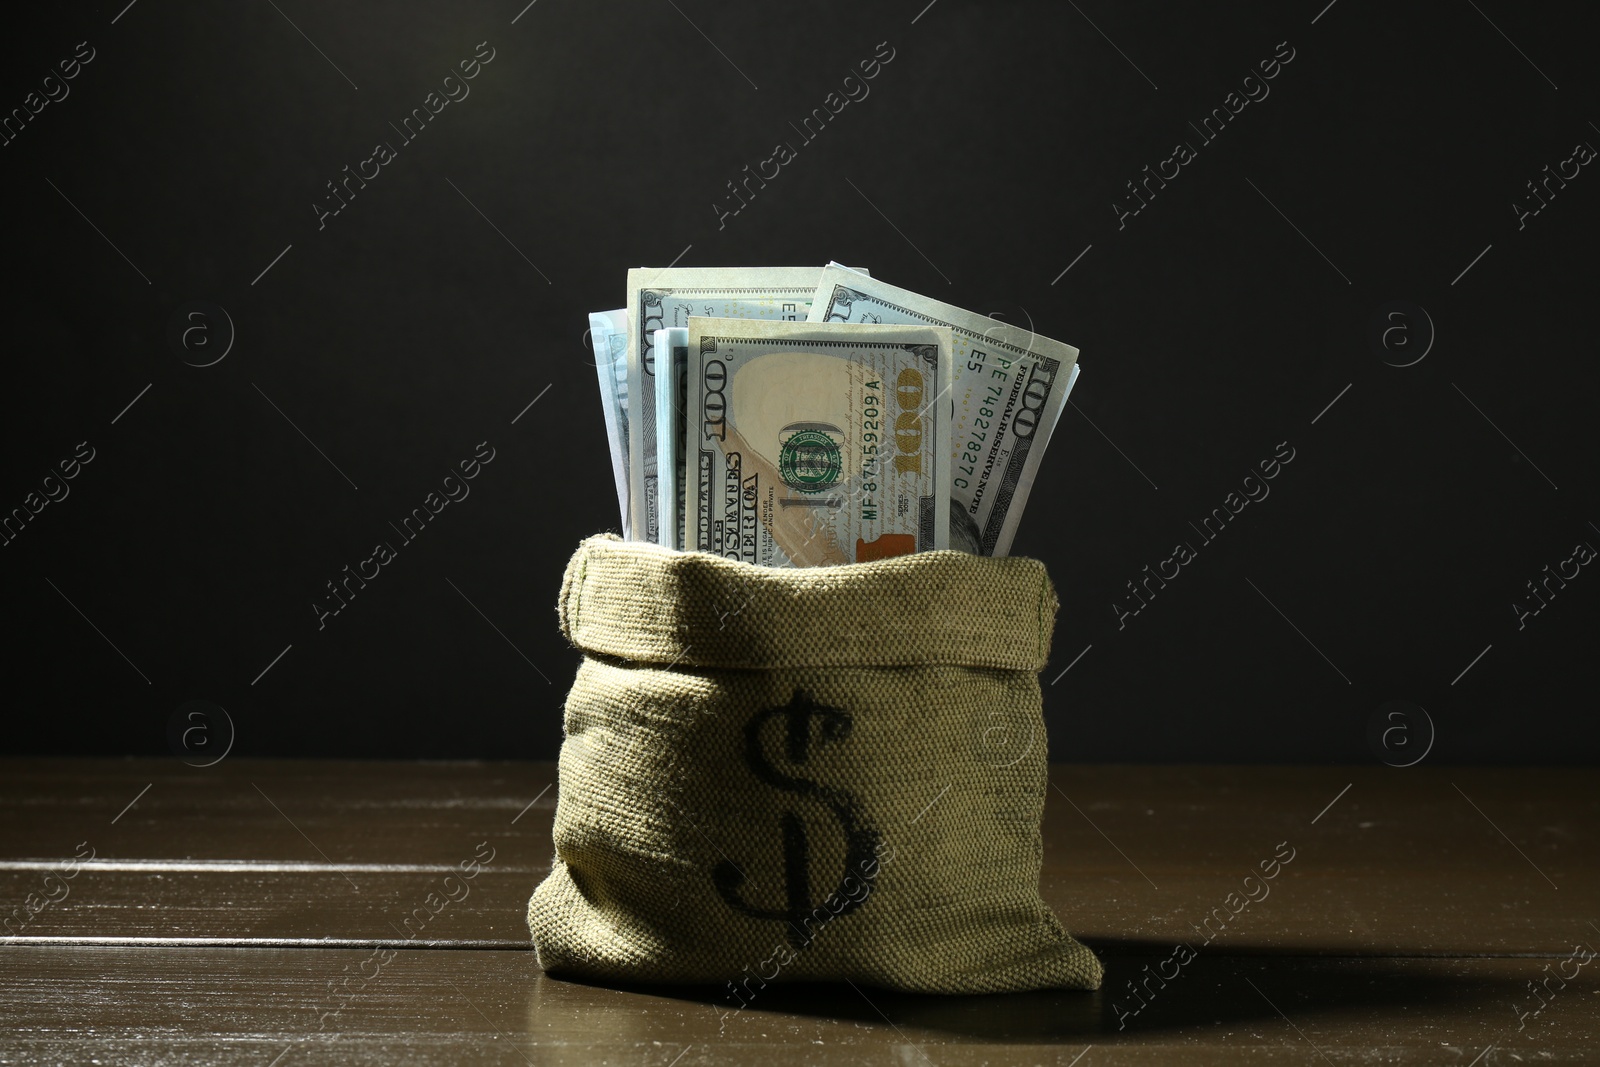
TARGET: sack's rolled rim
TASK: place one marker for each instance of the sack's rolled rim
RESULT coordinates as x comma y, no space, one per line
643,602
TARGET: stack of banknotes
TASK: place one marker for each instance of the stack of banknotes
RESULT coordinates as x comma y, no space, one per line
799,417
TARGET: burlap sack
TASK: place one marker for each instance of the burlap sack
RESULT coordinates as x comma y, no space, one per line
793,774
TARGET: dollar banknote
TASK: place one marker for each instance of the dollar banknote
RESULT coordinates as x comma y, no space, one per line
662,298
672,357
1009,389
816,443
608,334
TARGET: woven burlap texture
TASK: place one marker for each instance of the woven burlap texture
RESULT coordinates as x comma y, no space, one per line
817,774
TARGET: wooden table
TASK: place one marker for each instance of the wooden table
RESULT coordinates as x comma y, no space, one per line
222,909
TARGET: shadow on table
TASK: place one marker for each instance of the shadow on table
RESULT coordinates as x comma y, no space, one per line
1238,989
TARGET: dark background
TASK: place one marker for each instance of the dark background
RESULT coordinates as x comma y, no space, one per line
416,325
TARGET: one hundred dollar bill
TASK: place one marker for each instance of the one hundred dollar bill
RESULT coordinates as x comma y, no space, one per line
672,357
608,333
815,443
1009,390
665,297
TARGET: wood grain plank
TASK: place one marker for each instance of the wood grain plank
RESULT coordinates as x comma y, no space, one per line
248,1006
1173,818
1303,915
262,905
335,812
1415,862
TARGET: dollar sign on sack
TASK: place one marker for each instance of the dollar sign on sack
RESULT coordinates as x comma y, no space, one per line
861,839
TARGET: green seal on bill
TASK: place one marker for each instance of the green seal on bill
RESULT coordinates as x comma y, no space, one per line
809,461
